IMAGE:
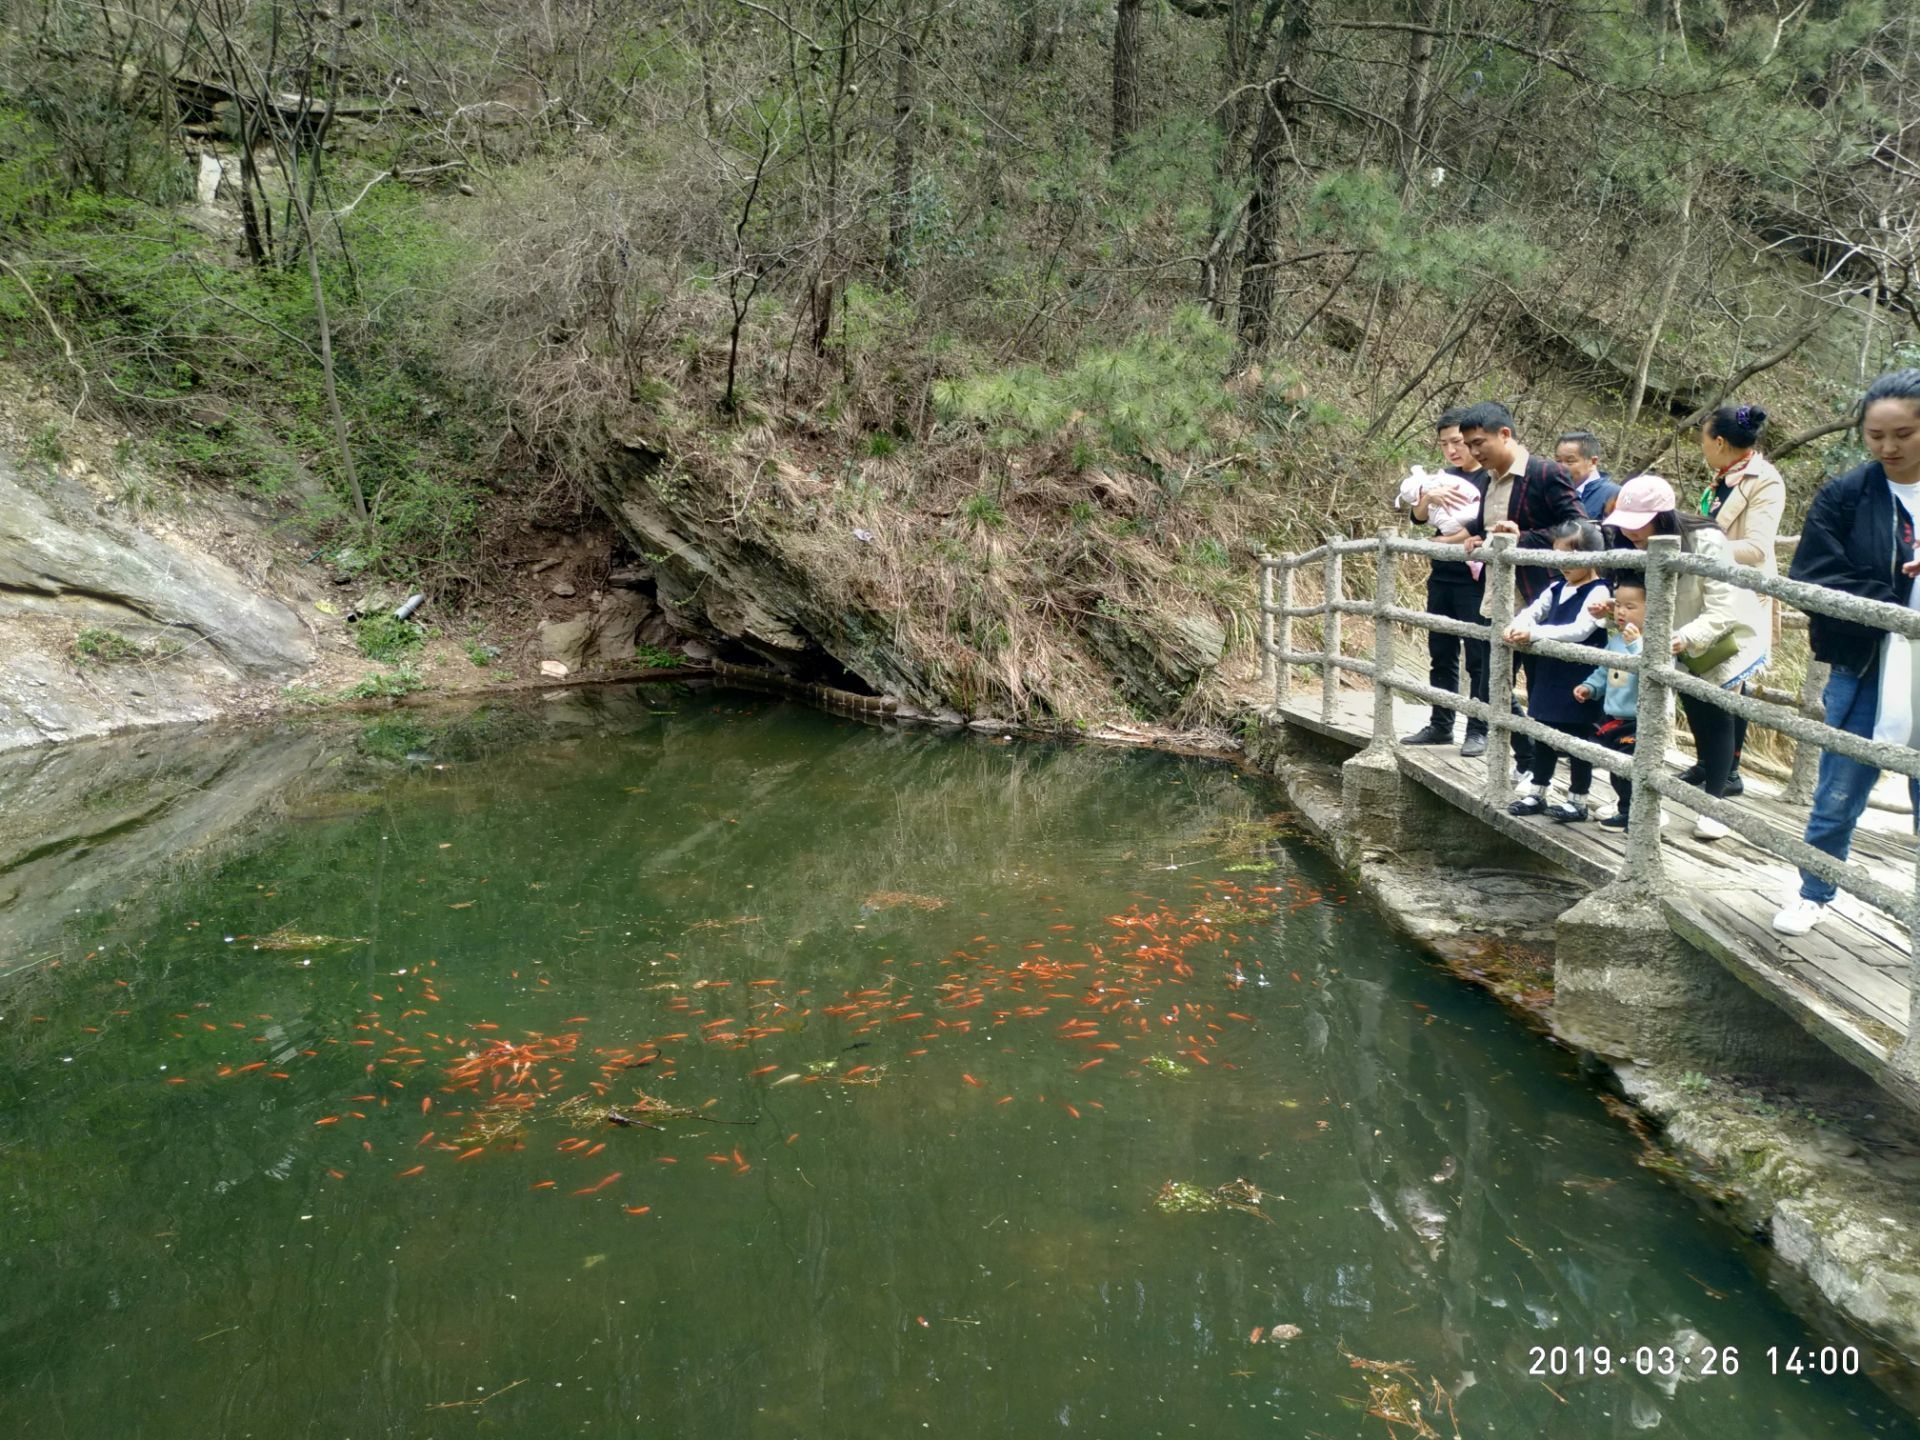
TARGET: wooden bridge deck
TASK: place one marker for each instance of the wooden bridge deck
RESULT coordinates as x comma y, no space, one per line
1847,982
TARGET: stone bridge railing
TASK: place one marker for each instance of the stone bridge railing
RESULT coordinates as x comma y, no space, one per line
1653,782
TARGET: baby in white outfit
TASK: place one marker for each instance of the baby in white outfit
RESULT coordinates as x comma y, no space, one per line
1447,519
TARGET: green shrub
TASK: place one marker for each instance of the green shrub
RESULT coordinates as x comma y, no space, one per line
94,646
984,511
390,686
1162,390
655,658
383,638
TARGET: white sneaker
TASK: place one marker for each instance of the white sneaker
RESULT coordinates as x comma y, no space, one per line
1705,827
1799,916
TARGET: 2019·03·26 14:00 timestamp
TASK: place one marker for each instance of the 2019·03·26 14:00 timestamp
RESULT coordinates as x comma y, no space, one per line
1703,1360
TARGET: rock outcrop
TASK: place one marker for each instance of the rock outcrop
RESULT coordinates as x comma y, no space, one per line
182,630
762,587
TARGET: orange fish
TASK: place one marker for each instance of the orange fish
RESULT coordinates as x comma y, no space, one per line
1097,1060
328,1120
971,1081
414,1171
636,1209
598,1185
542,1185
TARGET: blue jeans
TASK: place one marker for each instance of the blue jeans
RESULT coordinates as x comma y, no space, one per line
1840,793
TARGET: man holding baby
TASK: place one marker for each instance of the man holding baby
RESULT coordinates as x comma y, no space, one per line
1449,500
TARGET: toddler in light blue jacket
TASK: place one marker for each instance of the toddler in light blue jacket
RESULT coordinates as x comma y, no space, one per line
1620,707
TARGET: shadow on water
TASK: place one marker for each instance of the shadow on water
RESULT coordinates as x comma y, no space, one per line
295,1018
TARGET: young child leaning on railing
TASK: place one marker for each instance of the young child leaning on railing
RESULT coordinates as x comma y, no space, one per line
1618,692
1560,613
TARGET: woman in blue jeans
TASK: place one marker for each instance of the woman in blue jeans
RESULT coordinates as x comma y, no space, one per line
1860,537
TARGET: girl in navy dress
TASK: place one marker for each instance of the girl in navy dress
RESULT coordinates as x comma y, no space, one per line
1561,613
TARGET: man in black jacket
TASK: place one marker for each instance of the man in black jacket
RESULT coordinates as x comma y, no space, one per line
1525,496
1859,537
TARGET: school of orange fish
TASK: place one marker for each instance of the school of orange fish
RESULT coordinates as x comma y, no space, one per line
1147,986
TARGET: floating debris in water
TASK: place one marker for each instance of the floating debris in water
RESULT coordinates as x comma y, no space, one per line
1183,1197
286,938
1166,1065
894,899
1395,1396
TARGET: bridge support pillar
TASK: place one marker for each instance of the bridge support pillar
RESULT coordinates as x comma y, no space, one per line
1381,809
1628,988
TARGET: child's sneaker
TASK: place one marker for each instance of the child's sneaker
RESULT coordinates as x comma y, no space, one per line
1799,916
1528,805
1569,811
1616,821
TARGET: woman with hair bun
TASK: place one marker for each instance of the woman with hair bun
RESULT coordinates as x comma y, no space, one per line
1747,499
1859,538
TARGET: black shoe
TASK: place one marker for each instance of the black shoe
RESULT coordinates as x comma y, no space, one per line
1696,776
1615,822
1432,735
1476,745
1532,805
1568,811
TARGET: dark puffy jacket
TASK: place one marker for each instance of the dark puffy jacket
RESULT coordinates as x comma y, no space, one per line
1850,543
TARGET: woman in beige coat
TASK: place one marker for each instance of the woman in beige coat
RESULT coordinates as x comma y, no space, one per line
1747,499
1707,614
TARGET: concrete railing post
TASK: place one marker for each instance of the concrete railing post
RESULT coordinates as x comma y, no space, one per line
1907,1058
1654,726
1266,619
1334,587
1386,595
1499,577
1283,670
1806,754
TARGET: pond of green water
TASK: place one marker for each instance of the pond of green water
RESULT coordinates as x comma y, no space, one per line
310,1129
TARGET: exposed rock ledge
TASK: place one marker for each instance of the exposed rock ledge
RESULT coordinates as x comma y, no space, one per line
68,562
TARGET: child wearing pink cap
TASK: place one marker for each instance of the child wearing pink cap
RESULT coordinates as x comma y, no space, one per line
1708,616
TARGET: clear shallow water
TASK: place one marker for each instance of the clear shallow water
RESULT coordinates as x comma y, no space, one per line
908,987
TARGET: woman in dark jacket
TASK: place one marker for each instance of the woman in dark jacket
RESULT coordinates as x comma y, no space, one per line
1859,537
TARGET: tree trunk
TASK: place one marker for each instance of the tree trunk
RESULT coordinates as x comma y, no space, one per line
1637,396
906,137
1029,33
1126,76
1258,276
326,355
1413,105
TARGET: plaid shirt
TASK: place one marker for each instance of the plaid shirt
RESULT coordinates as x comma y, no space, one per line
1542,497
